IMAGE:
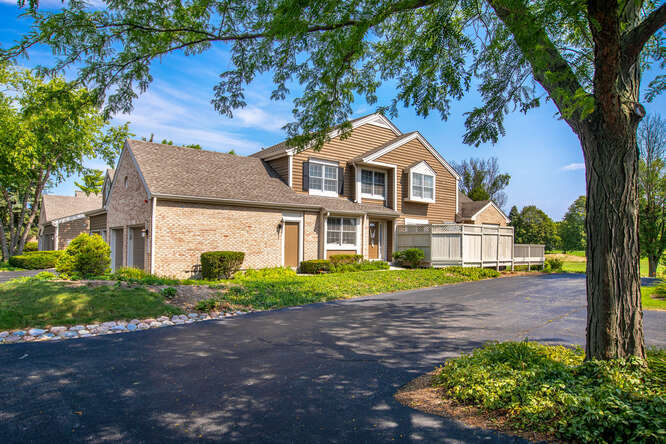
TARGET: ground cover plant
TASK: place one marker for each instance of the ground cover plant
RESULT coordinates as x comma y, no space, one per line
38,302
551,389
472,273
4,266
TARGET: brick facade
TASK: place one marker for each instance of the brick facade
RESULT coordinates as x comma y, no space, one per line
69,230
491,216
129,206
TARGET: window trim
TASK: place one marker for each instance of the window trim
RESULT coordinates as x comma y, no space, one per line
341,245
423,169
373,196
324,164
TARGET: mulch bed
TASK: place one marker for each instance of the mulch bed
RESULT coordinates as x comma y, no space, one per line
419,394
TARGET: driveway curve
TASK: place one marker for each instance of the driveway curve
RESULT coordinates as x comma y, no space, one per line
322,372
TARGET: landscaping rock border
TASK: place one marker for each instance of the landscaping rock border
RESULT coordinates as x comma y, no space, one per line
105,328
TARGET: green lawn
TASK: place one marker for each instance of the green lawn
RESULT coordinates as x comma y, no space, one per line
284,291
34,303
579,267
4,266
650,302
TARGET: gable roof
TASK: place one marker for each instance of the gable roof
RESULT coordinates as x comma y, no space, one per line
56,207
389,146
184,173
374,119
471,208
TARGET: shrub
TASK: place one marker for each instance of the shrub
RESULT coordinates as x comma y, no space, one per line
169,292
87,255
553,265
472,273
360,266
345,259
138,276
552,389
316,266
35,260
221,264
207,304
411,257
274,273
30,246
44,276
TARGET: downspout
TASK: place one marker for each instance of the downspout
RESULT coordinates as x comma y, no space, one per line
152,237
56,236
322,234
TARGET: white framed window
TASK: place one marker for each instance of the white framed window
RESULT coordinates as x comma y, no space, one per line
423,187
323,178
341,232
373,184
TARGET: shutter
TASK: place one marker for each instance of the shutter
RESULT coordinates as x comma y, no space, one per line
306,176
341,180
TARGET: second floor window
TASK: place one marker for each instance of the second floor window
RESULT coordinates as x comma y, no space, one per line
323,179
373,184
423,186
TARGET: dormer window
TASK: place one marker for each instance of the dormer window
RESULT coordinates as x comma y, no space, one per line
422,183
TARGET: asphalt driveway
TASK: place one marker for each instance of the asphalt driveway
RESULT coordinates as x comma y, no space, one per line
324,372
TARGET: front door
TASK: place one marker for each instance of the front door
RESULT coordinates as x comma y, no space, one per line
291,244
374,241
138,247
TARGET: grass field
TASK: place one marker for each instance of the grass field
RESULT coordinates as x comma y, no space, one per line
35,303
576,265
652,298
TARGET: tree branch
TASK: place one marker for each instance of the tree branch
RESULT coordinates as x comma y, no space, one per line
549,68
634,40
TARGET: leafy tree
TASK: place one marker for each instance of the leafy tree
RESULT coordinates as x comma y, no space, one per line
572,227
481,180
92,182
47,128
533,226
652,190
195,146
587,55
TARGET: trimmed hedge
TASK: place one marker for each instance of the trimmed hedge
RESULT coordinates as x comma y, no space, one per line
316,266
30,246
411,257
35,260
360,266
221,264
345,259
86,255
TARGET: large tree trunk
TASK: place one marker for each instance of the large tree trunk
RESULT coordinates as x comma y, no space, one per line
614,312
653,262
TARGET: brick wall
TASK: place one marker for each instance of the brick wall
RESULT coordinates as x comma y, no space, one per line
69,230
129,205
185,230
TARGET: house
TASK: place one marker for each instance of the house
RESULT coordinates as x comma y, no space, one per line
62,218
166,204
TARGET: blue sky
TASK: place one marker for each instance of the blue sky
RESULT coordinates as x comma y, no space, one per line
540,152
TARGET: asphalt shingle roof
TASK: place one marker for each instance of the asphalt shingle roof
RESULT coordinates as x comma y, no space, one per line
185,172
57,207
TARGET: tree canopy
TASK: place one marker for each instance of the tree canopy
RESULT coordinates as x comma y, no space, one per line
572,227
47,128
91,182
533,226
480,179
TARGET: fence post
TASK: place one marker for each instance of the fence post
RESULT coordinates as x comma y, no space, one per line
481,255
498,247
529,256
462,245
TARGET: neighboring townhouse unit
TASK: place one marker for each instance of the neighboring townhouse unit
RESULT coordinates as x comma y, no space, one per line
165,205
62,218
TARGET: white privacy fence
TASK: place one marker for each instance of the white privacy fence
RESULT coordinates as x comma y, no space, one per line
468,245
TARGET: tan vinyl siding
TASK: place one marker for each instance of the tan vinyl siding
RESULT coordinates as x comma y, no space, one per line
373,201
361,140
281,166
444,208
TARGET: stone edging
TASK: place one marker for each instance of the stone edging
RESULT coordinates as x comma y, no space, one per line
105,328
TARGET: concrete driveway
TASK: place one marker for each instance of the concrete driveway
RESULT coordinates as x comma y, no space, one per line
324,372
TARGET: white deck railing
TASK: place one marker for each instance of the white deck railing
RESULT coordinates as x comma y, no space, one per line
468,245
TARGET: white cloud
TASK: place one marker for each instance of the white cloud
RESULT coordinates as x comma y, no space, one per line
573,167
